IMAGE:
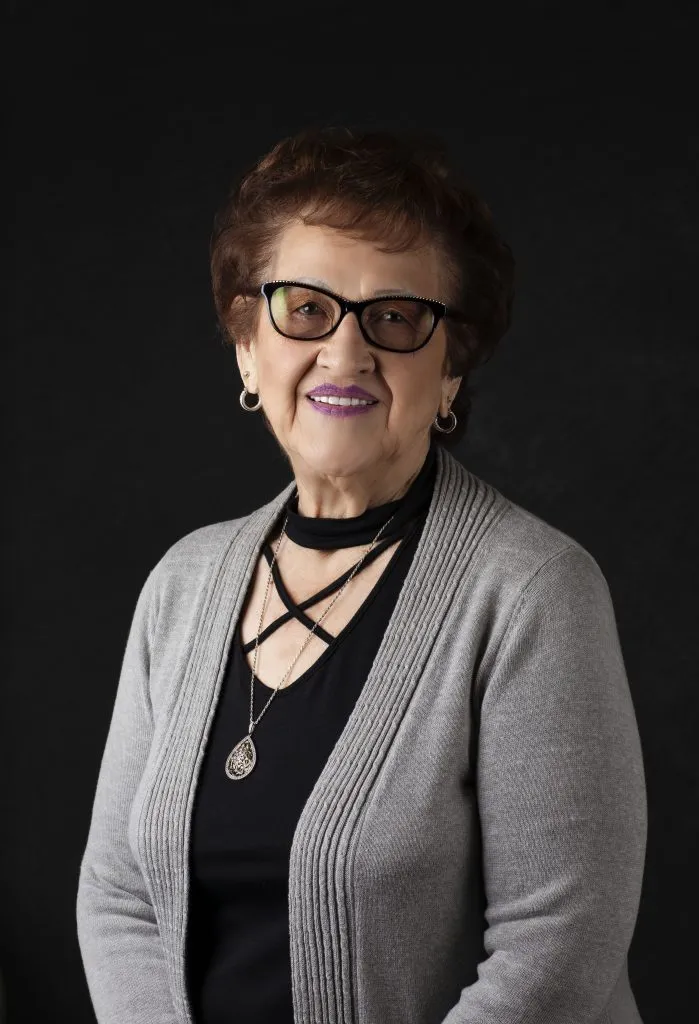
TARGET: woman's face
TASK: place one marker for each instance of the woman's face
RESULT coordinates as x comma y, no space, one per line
409,387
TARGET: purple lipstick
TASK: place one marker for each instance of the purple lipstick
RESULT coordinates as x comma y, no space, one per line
332,400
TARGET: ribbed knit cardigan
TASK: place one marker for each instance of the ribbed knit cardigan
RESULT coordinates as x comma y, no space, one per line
473,849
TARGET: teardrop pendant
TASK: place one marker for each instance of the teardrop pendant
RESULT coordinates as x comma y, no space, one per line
242,758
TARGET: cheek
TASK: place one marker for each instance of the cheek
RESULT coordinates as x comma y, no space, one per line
283,369
415,386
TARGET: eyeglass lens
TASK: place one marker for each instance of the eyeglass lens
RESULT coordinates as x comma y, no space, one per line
304,313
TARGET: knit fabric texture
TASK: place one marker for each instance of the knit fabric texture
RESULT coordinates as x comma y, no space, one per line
473,849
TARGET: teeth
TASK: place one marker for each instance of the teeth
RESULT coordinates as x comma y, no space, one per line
334,400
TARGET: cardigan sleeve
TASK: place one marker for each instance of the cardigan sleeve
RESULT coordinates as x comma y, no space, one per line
562,802
118,935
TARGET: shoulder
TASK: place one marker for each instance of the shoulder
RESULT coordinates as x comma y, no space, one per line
199,549
510,541
538,590
181,575
533,594
178,582
526,543
551,577
522,560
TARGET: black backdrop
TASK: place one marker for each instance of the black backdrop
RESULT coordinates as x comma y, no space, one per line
576,124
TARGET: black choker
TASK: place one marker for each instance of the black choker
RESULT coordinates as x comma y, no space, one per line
319,533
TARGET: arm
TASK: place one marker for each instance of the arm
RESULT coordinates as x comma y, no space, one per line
119,940
562,802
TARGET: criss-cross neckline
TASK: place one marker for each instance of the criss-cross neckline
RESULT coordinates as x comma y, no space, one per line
297,610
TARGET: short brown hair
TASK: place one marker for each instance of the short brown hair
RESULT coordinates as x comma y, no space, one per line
398,191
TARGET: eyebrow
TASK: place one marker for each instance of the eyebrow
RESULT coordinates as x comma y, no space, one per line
381,291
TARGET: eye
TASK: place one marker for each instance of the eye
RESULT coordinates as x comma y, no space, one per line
383,313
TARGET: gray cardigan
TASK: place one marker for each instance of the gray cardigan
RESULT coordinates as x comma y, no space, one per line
473,849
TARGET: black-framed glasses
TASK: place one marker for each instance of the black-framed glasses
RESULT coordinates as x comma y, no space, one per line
397,323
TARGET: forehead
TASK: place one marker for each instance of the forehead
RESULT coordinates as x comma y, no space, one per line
353,267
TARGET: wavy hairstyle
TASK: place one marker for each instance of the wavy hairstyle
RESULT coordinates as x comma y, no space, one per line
397,191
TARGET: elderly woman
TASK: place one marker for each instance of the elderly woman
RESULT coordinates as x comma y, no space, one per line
373,756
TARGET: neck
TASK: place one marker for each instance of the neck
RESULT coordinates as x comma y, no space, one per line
390,519
329,496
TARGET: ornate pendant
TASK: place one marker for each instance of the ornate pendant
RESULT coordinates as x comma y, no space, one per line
242,758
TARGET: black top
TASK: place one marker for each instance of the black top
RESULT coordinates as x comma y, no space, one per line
237,944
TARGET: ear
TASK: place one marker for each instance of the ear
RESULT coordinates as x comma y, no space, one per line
245,345
245,357
450,387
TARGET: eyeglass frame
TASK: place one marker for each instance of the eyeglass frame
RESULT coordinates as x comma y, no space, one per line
440,311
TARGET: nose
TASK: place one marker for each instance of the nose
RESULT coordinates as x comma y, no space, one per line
346,350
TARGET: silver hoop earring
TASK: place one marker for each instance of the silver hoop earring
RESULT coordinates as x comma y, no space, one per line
249,408
445,430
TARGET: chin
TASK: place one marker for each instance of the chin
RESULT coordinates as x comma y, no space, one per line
333,458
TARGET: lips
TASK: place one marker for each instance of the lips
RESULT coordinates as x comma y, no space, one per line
351,391
342,401
342,407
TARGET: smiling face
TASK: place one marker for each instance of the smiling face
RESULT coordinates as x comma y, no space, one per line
390,438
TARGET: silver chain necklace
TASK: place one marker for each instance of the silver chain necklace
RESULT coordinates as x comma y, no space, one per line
243,757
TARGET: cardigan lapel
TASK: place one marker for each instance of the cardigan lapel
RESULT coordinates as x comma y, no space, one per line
320,871
165,820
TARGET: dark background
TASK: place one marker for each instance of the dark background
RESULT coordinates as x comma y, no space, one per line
577,125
